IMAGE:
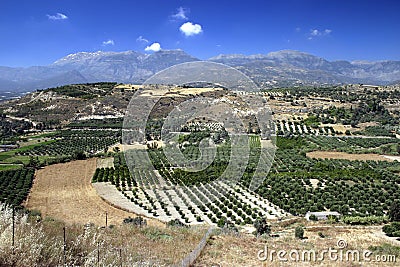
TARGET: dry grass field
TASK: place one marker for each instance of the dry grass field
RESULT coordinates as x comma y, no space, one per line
230,250
41,244
64,191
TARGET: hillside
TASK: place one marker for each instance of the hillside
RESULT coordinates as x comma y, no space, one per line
62,105
59,105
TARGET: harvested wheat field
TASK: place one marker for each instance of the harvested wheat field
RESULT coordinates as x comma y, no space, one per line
344,155
64,191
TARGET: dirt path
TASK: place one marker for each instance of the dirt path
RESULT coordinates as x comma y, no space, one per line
64,191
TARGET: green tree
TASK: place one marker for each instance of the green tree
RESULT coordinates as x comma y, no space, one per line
34,162
79,155
299,232
394,211
221,222
262,227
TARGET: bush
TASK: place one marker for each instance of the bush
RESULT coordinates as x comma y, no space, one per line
396,233
176,223
221,222
367,220
332,219
313,217
392,229
394,211
35,213
299,232
137,221
262,227
79,155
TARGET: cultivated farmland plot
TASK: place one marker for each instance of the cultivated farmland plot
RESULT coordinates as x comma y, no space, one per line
295,185
166,192
192,204
15,185
69,141
298,128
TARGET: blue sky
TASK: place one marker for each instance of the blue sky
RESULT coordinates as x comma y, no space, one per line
40,32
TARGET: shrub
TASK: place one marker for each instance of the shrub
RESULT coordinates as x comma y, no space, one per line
299,232
313,217
392,229
367,220
221,222
137,221
35,213
79,155
262,227
394,211
176,223
396,233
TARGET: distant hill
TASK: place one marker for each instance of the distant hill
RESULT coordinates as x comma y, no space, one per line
281,68
296,67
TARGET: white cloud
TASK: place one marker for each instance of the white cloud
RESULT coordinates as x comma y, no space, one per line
141,39
108,42
181,13
58,16
318,33
190,29
315,32
153,47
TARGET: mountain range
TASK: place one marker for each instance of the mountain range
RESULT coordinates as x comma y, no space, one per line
281,68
